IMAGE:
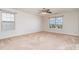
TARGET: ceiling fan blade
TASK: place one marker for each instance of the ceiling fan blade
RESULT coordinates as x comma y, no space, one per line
49,12
45,11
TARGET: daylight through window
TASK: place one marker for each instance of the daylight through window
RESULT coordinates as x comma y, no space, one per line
7,21
56,22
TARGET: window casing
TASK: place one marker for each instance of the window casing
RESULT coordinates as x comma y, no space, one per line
8,21
56,22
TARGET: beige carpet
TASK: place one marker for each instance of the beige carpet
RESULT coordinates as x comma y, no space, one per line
40,41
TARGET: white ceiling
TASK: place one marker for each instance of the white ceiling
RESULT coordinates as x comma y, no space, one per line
36,11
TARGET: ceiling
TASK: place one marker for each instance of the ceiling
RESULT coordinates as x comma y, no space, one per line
36,11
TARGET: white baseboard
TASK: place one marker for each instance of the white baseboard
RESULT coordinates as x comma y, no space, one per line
13,35
66,33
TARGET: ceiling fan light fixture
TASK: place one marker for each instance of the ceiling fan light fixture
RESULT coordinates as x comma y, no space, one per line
44,13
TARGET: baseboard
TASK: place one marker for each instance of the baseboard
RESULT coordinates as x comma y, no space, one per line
14,35
33,32
67,33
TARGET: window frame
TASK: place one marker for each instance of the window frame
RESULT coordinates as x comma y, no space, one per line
6,21
55,22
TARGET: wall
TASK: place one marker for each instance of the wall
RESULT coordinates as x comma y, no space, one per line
70,24
27,23
24,23
78,24
0,21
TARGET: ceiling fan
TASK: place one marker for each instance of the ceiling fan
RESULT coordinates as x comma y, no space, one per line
45,11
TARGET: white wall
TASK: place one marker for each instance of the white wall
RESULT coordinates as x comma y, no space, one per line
24,23
70,24
0,21
27,23
78,23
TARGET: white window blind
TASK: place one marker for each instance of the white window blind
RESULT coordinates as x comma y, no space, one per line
8,21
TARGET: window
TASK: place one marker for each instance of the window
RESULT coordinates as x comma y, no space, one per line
8,21
56,22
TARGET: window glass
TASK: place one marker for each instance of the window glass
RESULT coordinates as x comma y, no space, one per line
56,22
8,22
